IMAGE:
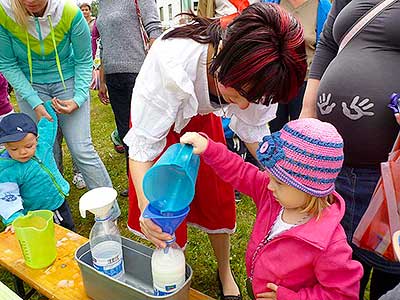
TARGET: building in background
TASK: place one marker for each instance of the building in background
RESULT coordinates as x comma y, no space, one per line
169,9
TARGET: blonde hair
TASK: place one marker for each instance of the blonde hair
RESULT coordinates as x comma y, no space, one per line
316,205
20,12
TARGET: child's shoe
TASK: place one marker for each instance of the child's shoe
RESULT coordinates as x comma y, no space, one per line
78,181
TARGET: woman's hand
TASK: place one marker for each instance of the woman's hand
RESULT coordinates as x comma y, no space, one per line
198,141
41,112
154,232
103,93
9,228
64,106
269,295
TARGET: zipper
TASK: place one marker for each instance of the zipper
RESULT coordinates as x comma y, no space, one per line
50,174
37,25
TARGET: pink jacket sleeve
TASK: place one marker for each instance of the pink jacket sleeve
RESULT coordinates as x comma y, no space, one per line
231,168
338,276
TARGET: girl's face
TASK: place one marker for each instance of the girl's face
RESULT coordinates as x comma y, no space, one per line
85,11
35,6
231,95
287,196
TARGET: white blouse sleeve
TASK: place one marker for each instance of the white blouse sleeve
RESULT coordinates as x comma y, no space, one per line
162,95
251,124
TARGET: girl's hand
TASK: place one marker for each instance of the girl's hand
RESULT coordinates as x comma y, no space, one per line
64,106
41,112
9,228
269,295
198,141
154,232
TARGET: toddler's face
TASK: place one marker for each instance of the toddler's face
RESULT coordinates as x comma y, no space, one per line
287,196
24,149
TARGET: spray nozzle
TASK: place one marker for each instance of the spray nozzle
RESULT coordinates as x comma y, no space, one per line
98,201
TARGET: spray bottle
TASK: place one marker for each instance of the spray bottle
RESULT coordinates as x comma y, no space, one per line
105,239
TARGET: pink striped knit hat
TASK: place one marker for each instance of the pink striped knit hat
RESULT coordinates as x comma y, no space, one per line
306,154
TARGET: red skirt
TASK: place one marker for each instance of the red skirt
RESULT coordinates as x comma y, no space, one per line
213,208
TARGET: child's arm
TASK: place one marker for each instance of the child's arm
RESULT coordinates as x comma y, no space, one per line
48,129
337,274
229,166
10,202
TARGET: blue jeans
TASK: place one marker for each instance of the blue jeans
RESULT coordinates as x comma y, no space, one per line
356,186
75,128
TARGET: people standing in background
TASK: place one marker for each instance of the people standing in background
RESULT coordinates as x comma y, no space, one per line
77,179
351,89
86,9
312,15
45,55
122,55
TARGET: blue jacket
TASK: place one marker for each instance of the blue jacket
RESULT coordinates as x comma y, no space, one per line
35,184
324,7
54,48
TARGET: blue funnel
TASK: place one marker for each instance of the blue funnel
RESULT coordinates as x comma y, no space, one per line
168,221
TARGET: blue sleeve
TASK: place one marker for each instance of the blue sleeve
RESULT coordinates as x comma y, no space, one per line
48,129
10,202
13,73
324,6
81,45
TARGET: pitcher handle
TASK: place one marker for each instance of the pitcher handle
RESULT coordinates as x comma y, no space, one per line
186,150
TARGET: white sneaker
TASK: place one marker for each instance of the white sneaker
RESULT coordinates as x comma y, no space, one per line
78,181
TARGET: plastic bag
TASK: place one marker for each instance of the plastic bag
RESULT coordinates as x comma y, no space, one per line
382,217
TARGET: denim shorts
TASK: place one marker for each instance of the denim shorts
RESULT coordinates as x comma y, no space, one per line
356,186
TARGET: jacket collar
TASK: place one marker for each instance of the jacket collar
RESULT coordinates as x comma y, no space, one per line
319,233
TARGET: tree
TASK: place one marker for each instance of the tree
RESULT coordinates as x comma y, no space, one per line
95,7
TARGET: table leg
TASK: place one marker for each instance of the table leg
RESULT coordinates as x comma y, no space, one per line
19,286
20,290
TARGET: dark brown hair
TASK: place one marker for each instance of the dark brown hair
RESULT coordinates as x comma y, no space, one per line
263,51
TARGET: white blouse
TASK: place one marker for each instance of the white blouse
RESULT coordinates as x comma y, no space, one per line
170,89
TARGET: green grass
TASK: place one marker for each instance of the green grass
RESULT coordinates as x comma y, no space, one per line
199,253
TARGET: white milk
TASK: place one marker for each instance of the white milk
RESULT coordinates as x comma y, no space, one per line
168,269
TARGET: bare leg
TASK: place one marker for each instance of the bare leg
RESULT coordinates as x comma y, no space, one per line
221,245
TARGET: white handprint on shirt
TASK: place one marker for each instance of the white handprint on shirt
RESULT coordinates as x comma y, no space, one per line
357,110
323,104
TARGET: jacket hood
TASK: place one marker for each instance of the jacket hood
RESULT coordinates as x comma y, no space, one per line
54,9
325,226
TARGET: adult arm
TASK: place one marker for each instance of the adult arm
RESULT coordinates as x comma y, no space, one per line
80,39
151,20
13,73
95,35
326,51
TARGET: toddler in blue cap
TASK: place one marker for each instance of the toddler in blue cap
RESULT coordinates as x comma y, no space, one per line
29,177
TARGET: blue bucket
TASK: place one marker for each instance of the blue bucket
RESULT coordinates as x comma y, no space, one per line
169,184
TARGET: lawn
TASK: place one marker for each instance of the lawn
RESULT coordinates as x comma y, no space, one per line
198,253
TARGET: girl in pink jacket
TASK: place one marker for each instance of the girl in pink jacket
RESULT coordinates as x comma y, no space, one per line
298,249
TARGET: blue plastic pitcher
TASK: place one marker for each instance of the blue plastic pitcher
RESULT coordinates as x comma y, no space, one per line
169,184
